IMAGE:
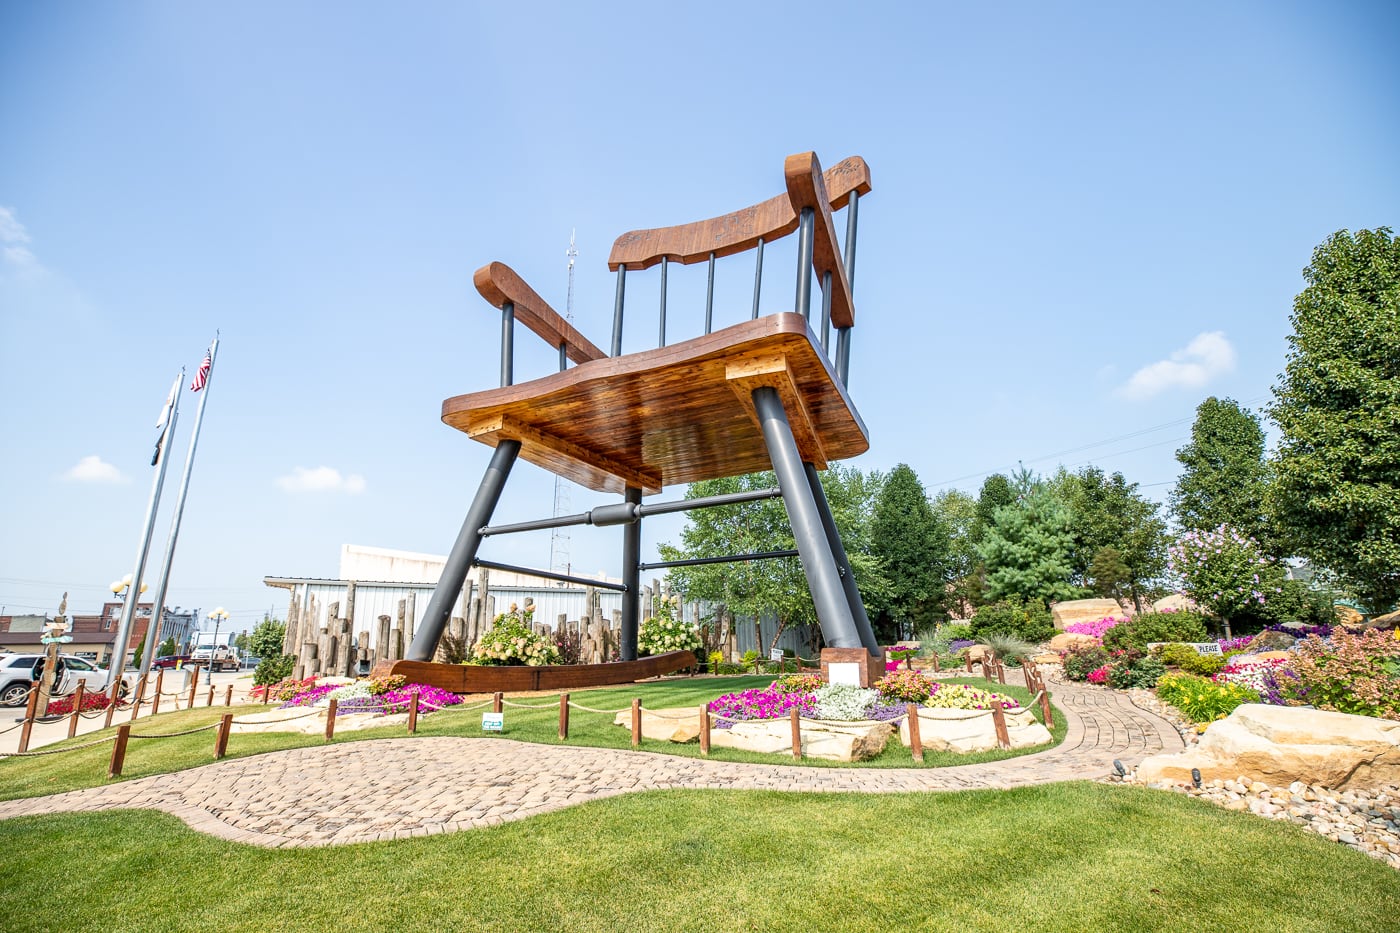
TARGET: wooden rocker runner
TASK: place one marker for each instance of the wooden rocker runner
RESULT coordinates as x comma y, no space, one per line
769,392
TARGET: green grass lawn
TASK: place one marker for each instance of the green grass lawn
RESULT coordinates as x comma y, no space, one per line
29,777
1063,857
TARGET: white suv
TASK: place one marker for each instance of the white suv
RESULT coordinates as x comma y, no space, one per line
19,671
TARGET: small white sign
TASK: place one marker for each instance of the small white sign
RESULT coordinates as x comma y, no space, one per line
776,655
492,722
843,672
1202,647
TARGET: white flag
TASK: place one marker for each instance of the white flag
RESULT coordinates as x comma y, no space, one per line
166,414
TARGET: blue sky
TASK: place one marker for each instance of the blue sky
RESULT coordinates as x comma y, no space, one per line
1086,219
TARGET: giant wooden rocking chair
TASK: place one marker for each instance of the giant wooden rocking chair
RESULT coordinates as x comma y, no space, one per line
764,393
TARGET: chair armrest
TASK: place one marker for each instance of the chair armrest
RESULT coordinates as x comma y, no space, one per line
807,188
498,283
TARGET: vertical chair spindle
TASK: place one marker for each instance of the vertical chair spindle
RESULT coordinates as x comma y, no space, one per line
710,296
508,343
661,336
805,236
617,310
826,310
843,334
757,278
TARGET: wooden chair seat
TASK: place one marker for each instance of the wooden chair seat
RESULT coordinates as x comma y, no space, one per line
676,414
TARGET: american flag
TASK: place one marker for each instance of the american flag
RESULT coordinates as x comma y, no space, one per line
201,375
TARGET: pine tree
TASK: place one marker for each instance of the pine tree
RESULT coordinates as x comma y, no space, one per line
912,546
1026,551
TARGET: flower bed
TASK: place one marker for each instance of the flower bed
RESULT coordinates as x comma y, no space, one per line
96,700
384,695
1095,628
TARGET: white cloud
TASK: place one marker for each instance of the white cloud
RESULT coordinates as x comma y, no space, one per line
94,470
13,238
1208,355
321,479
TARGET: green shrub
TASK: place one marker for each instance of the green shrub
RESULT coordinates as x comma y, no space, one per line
1205,665
1358,674
1189,659
1008,648
1202,700
905,686
272,670
934,639
1156,626
511,642
1081,659
844,702
1028,621
663,632
1134,669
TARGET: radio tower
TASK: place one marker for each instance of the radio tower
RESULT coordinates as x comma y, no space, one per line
559,537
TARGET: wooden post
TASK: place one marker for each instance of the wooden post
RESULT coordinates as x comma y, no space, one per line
969,663
155,700
211,693
221,743
330,718
935,662
140,698
111,708
1045,708
999,720
1026,671
916,742
563,716
795,716
194,684
497,701
413,713
636,721
29,711
1001,672
228,696
704,728
119,750
77,707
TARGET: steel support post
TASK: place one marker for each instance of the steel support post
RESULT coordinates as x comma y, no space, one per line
454,572
823,577
843,563
632,579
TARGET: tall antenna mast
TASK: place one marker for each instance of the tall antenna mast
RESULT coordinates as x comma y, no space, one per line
559,538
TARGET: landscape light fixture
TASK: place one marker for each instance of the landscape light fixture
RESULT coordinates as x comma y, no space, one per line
1118,766
1196,777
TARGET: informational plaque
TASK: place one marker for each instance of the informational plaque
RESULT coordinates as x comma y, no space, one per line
492,722
776,656
843,672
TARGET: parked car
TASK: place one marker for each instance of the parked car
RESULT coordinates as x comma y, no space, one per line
19,671
169,661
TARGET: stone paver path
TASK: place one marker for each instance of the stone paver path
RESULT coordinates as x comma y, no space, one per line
398,788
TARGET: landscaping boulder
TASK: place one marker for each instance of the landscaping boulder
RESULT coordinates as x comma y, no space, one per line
1084,610
1174,602
1389,620
1272,641
834,741
1066,640
1282,744
975,653
1348,616
1047,659
667,725
972,730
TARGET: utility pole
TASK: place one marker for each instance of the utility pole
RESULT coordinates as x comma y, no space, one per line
559,537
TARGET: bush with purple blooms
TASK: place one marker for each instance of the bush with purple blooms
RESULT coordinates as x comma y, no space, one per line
759,703
1095,628
395,699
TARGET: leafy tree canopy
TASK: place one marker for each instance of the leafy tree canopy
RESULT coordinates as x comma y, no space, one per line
996,491
1337,405
266,640
1224,475
1106,512
912,546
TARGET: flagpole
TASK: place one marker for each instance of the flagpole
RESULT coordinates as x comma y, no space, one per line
133,594
164,581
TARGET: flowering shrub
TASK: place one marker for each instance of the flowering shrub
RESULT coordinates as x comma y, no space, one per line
310,697
92,700
1234,644
961,696
570,646
398,699
1130,669
1321,631
958,644
844,701
663,632
1202,700
1095,628
1246,671
804,682
906,686
1353,674
510,642
1098,675
1140,631
359,688
759,703
386,682
1224,570
282,690
1081,659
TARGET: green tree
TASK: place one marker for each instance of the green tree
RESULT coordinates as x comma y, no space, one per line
912,546
1026,550
1337,405
266,640
166,647
957,513
1224,474
1112,523
1226,573
779,586
996,491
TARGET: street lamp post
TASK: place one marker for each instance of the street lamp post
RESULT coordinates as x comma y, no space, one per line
219,615
122,590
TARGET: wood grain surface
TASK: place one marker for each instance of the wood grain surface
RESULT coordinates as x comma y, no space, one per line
671,415
737,231
499,283
807,188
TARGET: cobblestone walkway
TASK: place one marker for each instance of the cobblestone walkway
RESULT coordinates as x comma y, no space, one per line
398,788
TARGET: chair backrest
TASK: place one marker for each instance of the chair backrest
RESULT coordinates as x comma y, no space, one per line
805,208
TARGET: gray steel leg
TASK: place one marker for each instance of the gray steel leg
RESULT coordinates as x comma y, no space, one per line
454,572
843,563
632,579
823,578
